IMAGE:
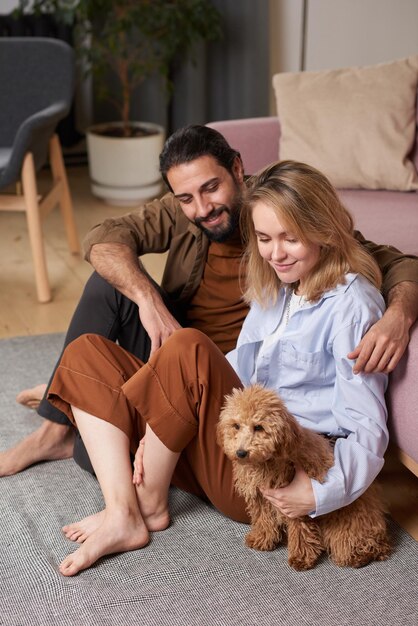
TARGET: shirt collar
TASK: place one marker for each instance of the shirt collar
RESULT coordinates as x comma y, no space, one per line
265,320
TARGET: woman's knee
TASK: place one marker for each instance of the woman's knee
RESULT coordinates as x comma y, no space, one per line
82,348
188,337
98,356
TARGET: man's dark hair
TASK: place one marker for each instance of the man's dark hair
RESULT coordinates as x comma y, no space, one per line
190,143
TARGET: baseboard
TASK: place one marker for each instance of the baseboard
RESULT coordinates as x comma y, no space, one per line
406,460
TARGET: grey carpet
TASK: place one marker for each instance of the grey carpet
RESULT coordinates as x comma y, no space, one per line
197,572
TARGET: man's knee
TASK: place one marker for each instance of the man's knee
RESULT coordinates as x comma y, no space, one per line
97,288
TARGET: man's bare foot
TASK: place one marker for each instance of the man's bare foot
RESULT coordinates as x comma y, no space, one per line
32,397
121,531
79,531
50,442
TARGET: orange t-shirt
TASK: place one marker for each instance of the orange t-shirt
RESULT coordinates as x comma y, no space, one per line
217,308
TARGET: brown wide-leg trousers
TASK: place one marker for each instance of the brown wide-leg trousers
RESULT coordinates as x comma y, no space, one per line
178,392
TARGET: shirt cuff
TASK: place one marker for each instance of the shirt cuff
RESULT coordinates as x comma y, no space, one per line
327,497
407,270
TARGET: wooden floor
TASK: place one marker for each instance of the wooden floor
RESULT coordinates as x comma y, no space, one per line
21,314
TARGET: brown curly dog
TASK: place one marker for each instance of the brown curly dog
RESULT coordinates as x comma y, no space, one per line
264,442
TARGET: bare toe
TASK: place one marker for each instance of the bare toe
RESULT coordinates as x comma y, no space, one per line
79,531
32,397
68,566
120,532
73,535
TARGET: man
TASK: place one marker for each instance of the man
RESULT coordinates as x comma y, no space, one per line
197,222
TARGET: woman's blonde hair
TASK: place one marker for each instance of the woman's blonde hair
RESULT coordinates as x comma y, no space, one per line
308,204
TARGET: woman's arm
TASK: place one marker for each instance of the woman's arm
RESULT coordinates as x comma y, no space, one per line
359,408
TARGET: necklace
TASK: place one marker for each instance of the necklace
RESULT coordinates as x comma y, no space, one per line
295,302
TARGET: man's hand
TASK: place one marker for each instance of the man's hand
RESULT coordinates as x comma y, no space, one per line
156,320
119,265
295,500
383,345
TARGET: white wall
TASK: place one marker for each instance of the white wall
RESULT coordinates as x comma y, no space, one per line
360,32
8,5
341,33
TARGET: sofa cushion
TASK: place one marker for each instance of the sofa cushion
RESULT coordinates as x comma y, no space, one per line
357,124
248,135
386,217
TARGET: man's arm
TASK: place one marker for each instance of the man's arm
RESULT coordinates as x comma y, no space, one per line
113,248
149,228
119,265
383,345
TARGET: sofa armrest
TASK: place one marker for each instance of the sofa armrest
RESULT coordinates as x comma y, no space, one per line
402,400
256,138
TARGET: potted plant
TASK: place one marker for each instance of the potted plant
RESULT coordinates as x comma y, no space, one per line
134,40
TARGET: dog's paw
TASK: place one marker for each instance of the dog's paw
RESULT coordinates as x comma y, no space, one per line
260,541
362,553
360,558
304,557
302,563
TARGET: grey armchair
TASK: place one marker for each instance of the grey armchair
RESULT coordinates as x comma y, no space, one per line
37,86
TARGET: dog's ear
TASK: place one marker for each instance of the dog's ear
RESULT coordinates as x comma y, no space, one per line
221,425
290,432
219,433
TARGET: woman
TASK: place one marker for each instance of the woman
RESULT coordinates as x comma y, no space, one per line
314,292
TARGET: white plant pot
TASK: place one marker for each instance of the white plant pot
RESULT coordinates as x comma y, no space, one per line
124,170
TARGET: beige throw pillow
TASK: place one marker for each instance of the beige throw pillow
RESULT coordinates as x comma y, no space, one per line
357,125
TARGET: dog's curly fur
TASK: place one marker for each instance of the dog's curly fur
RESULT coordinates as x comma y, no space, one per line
265,442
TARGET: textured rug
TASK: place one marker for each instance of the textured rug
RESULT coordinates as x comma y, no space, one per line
198,572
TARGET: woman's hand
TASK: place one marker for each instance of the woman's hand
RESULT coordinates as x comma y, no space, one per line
138,474
294,500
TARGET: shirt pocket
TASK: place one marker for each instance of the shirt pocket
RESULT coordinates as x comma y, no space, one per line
300,370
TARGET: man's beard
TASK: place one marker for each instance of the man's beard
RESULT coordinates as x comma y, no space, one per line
223,232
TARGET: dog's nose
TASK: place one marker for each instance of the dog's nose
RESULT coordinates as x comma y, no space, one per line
241,454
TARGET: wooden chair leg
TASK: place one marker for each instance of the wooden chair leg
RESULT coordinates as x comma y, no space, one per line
35,229
59,173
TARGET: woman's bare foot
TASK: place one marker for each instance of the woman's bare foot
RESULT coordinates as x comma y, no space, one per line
32,397
121,531
156,522
79,531
50,442
154,512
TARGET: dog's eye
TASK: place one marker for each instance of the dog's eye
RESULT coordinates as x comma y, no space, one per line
258,427
236,426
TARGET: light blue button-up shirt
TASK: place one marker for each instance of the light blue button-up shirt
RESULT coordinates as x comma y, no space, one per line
309,368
